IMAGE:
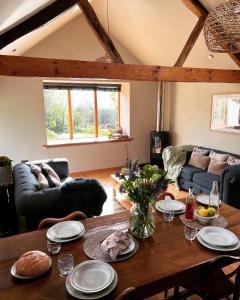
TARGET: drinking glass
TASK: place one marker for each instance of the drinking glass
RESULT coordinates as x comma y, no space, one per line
53,247
168,216
65,263
190,233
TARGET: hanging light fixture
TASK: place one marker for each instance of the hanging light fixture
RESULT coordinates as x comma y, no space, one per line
222,28
106,58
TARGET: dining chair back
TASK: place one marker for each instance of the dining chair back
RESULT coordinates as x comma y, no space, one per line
219,280
162,195
51,221
128,294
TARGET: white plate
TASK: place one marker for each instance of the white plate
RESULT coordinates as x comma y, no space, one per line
217,248
54,239
14,274
79,295
217,236
127,250
92,276
67,229
204,199
174,205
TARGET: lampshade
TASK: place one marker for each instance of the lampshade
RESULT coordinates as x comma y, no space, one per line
222,28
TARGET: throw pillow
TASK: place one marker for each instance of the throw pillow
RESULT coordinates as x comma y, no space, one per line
218,156
216,167
42,180
199,151
51,175
200,161
232,161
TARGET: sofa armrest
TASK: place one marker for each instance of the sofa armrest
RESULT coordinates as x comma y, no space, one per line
230,186
42,203
234,173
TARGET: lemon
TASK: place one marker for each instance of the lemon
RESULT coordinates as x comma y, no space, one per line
211,211
203,212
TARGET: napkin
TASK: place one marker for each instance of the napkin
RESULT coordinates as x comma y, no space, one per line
115,243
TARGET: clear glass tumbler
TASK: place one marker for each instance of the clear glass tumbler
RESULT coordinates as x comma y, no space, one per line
65,263
168,216
53,247
190,233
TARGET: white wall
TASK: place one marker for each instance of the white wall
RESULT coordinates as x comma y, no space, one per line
191,115
22,108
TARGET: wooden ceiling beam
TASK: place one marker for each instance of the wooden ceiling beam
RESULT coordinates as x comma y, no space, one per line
59,68
100,32
35,21
190,42
196,7
200,11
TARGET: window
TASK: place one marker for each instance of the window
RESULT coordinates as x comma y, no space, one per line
80,111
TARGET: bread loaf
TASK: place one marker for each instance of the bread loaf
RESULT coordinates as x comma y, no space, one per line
33,263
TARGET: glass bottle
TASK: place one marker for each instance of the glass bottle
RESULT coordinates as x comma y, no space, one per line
214,200
189,205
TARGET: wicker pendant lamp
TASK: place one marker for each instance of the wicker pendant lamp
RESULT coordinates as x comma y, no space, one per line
222,28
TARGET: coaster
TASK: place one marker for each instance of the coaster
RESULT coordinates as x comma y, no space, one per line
92,247
218,222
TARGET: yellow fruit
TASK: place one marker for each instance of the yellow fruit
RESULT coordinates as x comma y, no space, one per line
211,211
203,212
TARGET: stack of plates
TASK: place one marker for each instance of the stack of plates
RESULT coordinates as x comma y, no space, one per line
91,279
66,231
217,238
176,206
204,199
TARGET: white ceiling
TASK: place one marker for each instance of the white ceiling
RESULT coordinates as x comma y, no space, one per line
13,12
154,31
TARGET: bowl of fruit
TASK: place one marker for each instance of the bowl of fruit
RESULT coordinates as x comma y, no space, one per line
205,215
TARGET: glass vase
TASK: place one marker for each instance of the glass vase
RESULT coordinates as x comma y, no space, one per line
142,220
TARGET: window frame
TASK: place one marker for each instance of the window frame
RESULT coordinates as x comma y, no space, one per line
82,86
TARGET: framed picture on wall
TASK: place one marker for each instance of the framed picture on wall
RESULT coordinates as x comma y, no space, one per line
226,113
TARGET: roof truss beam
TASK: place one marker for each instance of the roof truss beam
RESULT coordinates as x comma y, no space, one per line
60,68
99,31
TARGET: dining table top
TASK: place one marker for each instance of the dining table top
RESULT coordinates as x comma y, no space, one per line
162,261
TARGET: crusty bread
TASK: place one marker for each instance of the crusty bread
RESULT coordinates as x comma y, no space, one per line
32,263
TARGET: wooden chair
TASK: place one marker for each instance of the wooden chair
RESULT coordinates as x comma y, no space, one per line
161,196
51,221
214,282
128,294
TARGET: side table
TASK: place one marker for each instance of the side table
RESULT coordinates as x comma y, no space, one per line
8,216
117,195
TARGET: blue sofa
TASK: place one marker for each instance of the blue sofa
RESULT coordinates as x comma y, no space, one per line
202,181
34,205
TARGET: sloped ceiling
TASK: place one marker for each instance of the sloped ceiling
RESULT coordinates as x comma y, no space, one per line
154,31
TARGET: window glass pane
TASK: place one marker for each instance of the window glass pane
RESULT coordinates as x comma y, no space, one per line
107,111
83,113
56,114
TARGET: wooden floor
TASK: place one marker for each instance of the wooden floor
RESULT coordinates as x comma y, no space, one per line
112,206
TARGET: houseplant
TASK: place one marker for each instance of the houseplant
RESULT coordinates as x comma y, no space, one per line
142,187
5,170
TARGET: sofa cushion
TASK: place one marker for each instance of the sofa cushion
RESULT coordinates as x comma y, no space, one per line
205,179
200,161
232,161
218,156
216,167
188,172
51,175
200,151
42,180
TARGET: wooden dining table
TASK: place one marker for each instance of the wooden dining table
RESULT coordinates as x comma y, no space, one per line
162,261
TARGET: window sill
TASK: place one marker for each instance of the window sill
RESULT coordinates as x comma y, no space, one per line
87,141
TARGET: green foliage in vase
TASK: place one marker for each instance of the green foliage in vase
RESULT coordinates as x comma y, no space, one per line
5,161
142,186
